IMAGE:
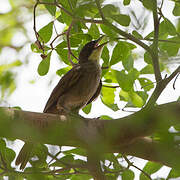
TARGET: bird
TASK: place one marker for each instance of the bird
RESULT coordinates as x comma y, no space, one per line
76,89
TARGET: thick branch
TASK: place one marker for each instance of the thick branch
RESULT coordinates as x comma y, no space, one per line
106,136
145,148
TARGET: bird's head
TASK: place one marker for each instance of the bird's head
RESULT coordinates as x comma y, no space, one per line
91,51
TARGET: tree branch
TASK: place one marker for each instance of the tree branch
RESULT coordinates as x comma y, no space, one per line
70,14
69,45
155,58
145,148
99,8
106,136
160,87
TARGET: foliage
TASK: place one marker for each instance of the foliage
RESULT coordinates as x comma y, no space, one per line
83,21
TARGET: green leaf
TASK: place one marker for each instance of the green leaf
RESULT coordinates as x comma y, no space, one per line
128,63
110,77
7,83
126,2
107,97
6,67
9,155
147,58
171,48
125,80
166,28
66,4
105,56
121,51
66,18
109,10
150,168
105,117
61,45
146,84
148,4
86,9
137,35
67,159
78,151
176,10
133,98
143,95
43,67
136,100
2,144
83,36
94,31
170,28
75,41
106,30
46,32
63,71
87,108
50,8
124,96
173,174
127,175
122,19
63,53
147,69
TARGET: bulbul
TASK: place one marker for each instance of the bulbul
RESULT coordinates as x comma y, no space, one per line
77,88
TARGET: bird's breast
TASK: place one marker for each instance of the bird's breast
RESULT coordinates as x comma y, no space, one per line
84,90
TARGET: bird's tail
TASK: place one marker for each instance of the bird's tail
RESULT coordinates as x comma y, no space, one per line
24,155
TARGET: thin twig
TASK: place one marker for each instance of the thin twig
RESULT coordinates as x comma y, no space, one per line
175,81
130,111
128,36
55,29
153,82
111,86
83,166
160,40
131,164
58,35
38,43
54,156
69,45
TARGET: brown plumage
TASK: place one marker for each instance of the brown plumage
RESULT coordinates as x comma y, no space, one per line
77,88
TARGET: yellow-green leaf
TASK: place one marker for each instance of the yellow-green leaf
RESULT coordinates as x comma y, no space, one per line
43,67
46,32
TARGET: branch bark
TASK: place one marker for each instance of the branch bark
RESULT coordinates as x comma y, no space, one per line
118,135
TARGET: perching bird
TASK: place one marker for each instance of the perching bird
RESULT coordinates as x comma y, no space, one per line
77,88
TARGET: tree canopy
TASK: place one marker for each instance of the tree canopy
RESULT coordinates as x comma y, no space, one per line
139,32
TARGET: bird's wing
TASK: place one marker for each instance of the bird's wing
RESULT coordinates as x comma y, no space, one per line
65,83
96,94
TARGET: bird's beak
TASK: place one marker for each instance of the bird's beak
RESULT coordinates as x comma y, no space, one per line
98,42
96,54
